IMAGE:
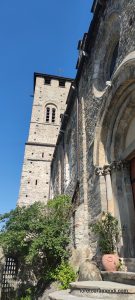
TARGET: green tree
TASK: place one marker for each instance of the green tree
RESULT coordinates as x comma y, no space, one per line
38,237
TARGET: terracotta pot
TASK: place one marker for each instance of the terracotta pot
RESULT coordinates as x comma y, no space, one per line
110,262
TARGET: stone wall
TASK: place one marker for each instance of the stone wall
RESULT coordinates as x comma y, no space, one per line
42,138
64,160
110,39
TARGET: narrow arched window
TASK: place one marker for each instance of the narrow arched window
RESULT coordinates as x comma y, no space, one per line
50,116
47,114
53,115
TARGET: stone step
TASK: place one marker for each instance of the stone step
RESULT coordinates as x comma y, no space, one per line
120,277
63,295
130,264
102,290
91,290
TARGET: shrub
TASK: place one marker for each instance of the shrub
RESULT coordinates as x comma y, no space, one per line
38,236
107,230
64,275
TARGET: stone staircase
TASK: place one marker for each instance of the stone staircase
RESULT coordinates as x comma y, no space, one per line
115,285
91,290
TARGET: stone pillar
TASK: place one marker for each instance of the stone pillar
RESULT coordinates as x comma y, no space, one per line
102,188
105,172
109,194
120,202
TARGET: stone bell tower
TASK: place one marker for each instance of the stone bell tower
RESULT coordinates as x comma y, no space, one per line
50,95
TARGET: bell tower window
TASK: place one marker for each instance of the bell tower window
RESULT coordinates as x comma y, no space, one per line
53,115
50,114
47,114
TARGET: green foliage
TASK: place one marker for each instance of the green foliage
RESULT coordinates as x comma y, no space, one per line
64,275
28,295
25,298
38,236
108,231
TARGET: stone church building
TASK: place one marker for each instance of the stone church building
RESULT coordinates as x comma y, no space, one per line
82,132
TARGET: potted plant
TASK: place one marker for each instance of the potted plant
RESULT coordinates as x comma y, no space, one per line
107,230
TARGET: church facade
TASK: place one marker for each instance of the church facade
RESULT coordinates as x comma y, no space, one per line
93,151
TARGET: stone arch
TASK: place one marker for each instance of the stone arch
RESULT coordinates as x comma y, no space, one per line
114,145
130,134
113,112
108,38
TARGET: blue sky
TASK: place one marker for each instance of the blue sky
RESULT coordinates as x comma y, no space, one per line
35,36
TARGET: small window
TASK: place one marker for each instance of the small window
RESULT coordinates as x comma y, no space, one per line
36,182
47,114
62,83
42,154
53,115
48,81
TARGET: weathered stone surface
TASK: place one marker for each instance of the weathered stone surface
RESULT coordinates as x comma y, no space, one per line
103,290
53,287
97,129
120,277
88,271
35,179
95,290
66,296
130,264
105,119
79,255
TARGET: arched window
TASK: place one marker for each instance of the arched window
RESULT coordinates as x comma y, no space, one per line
50,116
53,115
47,114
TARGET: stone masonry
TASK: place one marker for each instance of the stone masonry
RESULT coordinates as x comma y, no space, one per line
48,91
92,154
